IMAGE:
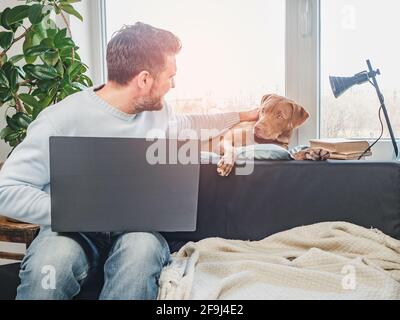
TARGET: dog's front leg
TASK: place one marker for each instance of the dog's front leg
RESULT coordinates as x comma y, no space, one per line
227,162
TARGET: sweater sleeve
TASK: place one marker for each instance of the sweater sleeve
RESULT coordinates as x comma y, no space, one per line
206,126
25,174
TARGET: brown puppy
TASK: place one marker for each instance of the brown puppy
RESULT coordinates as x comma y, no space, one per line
278,118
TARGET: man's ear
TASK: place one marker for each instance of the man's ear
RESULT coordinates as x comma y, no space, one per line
300,115
265,98
144,80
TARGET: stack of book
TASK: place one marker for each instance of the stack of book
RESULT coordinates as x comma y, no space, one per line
343,149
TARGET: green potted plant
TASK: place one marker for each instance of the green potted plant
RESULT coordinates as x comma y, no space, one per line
46,70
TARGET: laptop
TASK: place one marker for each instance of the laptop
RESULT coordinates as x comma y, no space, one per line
109,185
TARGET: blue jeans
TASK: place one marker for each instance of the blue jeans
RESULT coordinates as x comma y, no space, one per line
57,264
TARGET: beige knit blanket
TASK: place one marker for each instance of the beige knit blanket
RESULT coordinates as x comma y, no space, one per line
334,260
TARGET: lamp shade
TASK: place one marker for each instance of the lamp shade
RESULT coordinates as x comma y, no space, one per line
340,84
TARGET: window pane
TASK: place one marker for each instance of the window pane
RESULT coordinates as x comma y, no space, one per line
352,32
233,52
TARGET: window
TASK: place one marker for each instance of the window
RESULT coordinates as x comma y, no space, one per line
233,51
353,31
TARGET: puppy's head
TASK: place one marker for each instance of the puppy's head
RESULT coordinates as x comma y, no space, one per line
278,115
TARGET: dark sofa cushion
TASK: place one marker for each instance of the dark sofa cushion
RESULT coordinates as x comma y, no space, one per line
281,195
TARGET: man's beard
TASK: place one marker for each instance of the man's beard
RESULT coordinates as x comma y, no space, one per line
149,103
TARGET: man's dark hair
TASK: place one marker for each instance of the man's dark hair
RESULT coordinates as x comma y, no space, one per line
139,47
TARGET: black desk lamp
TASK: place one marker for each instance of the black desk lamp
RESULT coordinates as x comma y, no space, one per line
341,84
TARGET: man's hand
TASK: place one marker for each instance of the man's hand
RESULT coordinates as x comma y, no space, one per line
251,115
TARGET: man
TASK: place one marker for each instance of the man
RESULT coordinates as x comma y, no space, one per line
141,69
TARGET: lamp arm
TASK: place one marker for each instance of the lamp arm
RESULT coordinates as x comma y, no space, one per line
383,106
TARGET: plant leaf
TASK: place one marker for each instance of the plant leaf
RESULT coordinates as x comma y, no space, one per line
3,20
31,39
70,9
79,86
16,58
12,75
45,102
5,94
47,42
29,100
40,29
20,72
35,13
44,86
51,33
22,120
12,138
87,80
17,13
41,72
12,123
35,51
6,39
64,43
61,34
70,1
5,132
74,69
51,57
36,112
28,109
3,79
60,68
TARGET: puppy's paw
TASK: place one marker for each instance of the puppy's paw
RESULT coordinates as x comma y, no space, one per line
312,154
225,166
316,154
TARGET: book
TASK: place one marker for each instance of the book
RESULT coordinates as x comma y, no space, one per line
341,146
350,156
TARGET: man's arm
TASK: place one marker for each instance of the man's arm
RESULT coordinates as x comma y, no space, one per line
25,174
218,123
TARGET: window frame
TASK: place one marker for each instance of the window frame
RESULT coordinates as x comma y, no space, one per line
302,65
303,62
303,72
383,150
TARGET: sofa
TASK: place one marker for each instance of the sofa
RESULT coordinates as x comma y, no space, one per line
278,196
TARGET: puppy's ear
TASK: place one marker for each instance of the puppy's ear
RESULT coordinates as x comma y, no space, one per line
300,115
265,98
